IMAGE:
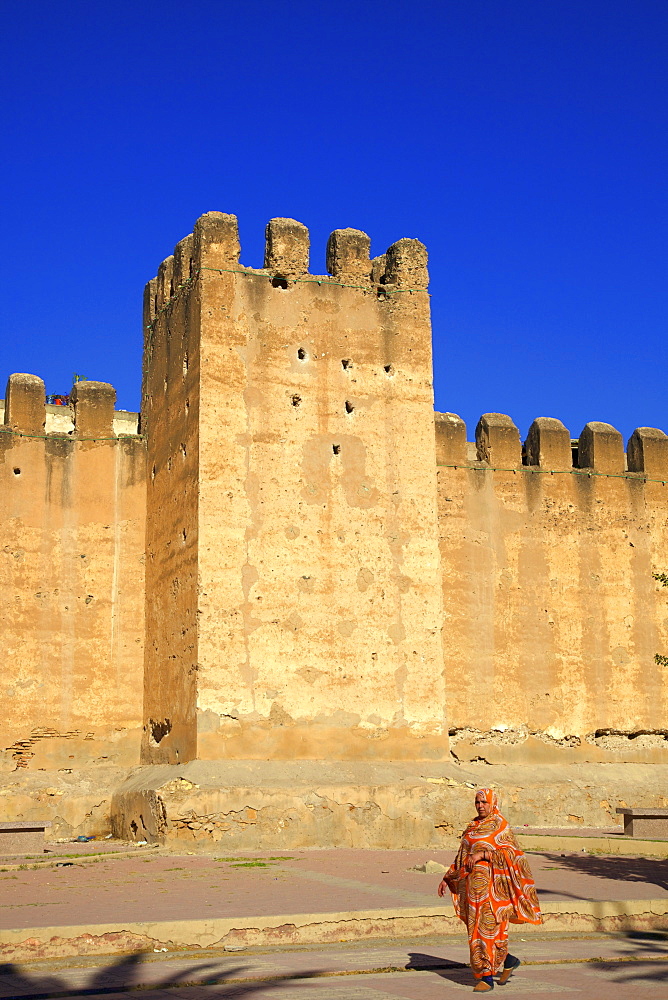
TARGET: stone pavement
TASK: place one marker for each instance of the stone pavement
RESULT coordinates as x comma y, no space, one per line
429,969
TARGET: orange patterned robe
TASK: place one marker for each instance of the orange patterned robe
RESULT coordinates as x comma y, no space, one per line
495,892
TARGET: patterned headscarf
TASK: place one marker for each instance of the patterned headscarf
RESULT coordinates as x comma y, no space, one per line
490,797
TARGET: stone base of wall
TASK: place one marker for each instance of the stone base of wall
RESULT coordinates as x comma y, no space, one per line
256,805
274,805
76,801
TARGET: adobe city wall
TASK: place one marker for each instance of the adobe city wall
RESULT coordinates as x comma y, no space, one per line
552,615
72,510
293,594
299,575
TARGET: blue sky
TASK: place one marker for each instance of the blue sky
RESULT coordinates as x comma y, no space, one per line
524,142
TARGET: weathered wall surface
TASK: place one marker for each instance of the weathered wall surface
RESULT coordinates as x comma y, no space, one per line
170,420
255,805
72,509
314,563
552,617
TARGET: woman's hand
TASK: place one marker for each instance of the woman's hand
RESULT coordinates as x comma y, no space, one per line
442,887
482,855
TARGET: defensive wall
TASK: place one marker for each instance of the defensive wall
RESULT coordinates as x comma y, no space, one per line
73,511
299,607
291,502
552,614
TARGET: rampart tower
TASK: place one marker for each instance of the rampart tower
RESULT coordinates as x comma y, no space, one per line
293,589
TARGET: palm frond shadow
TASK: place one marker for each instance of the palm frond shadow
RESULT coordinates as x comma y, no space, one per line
19,984
653,871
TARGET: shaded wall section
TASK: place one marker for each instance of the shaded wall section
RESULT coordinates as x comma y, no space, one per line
72,509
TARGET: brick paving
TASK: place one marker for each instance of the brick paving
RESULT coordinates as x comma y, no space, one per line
164,887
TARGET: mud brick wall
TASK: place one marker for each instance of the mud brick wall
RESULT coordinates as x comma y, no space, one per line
552,614
293,582
72,553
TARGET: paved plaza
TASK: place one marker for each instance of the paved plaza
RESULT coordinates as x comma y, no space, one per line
148,888
155,886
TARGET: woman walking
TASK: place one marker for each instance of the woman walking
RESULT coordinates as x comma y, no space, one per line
491,885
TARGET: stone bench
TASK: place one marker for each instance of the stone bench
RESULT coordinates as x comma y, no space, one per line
24,837
652,824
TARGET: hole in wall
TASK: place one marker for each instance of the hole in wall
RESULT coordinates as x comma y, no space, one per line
183,450
187,406
278,282
184,535
296,400
349,407
575,453
388,369
160,729
169,464
165,383
301,354
134,828
336,448
153,472
17,472
185,364
381,294
346,363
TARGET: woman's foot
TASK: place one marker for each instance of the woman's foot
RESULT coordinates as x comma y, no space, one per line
511,963
484,984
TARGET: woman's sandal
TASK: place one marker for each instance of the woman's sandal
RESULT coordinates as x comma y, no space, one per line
514,963
484,984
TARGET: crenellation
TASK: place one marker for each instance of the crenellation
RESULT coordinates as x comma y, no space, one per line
287,245
498,441
601,448
548,445
450,439
216,242
647,451
150,301
406,264
94,404
348,256
183,261
165,283
378,269
25,403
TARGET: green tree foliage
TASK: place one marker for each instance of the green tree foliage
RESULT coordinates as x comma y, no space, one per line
658,657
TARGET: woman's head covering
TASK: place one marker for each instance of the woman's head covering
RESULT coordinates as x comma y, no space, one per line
490,796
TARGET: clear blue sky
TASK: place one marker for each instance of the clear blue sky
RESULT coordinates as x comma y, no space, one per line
525,142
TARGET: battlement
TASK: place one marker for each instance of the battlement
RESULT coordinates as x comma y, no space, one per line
549,447
90,415
214,246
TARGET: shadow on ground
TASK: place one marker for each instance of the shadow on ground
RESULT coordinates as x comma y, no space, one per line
454,972
647,968
653,871
124,974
